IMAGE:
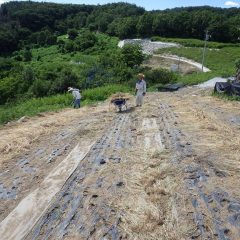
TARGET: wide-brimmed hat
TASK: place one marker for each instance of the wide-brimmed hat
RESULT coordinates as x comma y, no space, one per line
70,89
141,75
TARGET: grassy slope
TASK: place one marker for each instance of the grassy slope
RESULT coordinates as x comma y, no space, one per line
50,57
194,42
220,61
37,105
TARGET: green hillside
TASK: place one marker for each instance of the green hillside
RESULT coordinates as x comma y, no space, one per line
47,47
26,23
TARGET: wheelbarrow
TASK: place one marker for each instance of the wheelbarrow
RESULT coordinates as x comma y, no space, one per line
120,104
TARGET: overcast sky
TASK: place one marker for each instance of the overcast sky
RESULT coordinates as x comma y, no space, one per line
155,4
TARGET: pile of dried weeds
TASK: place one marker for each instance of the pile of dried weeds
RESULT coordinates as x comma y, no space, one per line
120,95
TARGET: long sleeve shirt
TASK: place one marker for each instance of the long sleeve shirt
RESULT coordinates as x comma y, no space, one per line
76,94
141,86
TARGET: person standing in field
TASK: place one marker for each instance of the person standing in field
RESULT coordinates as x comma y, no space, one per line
77,96
140,90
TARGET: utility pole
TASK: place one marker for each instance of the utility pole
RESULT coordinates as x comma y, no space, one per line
178,63
205,46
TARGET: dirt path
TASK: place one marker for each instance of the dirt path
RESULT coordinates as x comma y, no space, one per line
168,170
186,61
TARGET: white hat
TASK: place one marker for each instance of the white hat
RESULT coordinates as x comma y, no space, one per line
70,89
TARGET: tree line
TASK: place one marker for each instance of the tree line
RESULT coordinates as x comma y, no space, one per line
38,24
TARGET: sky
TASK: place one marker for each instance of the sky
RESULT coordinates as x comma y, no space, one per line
154,4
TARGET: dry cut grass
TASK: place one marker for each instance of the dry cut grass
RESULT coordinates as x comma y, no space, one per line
19,136
150,210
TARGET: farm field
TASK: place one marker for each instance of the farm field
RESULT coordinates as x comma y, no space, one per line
170,169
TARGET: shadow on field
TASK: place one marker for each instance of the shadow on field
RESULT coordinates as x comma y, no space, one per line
128,110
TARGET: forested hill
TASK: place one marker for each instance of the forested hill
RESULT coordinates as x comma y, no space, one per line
24,23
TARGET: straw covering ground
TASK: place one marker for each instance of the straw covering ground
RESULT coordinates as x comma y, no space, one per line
168,170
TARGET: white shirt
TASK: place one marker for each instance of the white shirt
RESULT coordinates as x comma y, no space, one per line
76,94
141,86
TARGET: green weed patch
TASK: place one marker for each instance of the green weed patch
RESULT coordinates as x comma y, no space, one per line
34,106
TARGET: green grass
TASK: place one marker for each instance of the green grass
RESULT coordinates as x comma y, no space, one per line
102,93
33,107
221,62
226,97
53,103
194,42
196,78
51,58
63,37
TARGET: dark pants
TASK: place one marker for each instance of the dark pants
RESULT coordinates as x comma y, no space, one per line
77,103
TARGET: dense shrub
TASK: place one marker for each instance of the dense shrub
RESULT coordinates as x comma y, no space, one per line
27,55
65,79
237,63
40,88
102,93
86,40
72,34
160,76
132,55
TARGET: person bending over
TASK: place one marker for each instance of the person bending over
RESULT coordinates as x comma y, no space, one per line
77,96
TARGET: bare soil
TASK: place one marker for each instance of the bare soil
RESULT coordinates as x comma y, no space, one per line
158,61
167,170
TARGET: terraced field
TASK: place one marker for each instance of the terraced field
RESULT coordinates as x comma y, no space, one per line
167,170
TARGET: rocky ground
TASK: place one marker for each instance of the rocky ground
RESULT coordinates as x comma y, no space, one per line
167,170
147,45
